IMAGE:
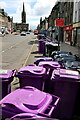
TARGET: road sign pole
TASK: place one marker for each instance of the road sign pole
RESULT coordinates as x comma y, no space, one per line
59,38
59,23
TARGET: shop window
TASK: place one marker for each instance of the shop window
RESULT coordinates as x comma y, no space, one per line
75,16
79,14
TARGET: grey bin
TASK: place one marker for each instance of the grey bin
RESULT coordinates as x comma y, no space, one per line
50,47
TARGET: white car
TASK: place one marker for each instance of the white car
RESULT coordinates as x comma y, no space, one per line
23,33
27,32
1,35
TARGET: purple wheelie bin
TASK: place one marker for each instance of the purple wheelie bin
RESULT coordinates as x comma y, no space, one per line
41,47
28,100
32,75
66,84
6,77
43,58
50,66
29,116
41,36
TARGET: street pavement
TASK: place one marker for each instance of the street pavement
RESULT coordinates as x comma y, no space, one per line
63,47
35,54
68,48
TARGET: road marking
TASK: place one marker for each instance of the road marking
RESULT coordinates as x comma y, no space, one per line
3,51
28,56
11,47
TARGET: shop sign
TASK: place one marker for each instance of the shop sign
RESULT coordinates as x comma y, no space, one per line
59,22
76,25
68,28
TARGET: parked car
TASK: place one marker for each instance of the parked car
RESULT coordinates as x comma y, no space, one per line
27,32
23,33
2,34
6,32
16,33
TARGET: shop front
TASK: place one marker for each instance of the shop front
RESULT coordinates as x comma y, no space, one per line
68,34
76,34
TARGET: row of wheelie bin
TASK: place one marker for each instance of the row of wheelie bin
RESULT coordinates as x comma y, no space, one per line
46,46
6,77
42,86
63,82
29,101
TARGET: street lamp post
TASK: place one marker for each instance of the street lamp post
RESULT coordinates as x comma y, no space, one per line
59,27
59,33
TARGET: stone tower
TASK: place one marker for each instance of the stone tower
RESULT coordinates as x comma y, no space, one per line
23,14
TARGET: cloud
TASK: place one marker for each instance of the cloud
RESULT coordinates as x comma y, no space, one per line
34,9
3,4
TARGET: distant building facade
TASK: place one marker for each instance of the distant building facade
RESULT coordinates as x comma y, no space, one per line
21,26
5,21
76,24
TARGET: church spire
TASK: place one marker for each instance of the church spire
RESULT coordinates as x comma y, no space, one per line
23,14
23,7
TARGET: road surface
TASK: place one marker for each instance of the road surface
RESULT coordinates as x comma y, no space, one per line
14,50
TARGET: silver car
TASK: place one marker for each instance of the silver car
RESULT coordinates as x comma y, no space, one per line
23,33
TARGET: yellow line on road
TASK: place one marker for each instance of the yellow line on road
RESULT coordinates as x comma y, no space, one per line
28,56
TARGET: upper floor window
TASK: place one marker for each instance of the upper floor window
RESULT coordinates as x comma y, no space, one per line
79,14
75,16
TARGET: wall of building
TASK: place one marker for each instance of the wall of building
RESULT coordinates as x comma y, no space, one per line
5,20
76,24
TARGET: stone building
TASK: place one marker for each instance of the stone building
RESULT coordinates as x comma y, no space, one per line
5,20
22,26
76,24
68,18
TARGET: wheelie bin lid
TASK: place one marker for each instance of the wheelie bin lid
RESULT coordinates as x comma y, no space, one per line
29,116
41,35
60,52
44,58
6,73
66,58
50,64
29,99
65,74
32,69
51,43
25,116
72,64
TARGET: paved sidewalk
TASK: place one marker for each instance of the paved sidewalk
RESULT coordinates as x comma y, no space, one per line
68,48
29,60
35,54
63,47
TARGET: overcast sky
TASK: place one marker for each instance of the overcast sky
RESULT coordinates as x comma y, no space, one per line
34,10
